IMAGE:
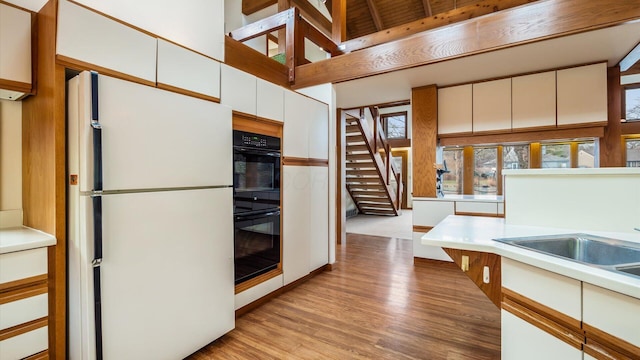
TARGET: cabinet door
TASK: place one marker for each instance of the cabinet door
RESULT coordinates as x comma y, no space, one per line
492,105
15,42
270,100
582,95
295,222
296,125
523,341
534,100
455,109
238,90
318,129
187,70
88,37
319,216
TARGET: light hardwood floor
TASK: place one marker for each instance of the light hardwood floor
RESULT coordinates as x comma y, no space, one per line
375,304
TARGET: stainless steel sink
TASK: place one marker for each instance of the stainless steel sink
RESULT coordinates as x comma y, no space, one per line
606,253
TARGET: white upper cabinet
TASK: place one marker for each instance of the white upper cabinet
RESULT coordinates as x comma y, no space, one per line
582,94
534,100
296,125
455,109
194,24
185,69
318,117
270,98
91,38
492,105
238,90
15,44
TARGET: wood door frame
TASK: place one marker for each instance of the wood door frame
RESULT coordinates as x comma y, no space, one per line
404,154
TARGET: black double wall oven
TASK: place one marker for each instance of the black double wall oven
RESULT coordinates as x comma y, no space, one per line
256,204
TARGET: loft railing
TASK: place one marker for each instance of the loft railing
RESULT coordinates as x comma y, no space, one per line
376,140
296,30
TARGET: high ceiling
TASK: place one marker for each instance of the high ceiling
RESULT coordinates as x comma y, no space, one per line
366,17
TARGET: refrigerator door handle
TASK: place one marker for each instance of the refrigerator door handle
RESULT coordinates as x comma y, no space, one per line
97,212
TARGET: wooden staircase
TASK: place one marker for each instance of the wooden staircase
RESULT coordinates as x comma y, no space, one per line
369,169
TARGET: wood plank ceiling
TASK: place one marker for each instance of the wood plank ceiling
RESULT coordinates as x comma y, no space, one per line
366,17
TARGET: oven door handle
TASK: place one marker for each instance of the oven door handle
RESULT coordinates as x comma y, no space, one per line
258,216
252,151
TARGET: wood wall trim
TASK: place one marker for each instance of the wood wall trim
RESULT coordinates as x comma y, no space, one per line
340,176
75,64
478,214
455,135
630,128
253,124
545,318
602,345
611,150
247,308
25,282
43,355
424,124
23,328
294,161
258,280
582,132
431,22
15,86
16,6
44,169
190,93
422,229
23,293
477,262
244,58
540,20
468,170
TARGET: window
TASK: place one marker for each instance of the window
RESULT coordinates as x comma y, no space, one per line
633,152
556,155
452,181
587,154
395,125
515,156
485,178
632,103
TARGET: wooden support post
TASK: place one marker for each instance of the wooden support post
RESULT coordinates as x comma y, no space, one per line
424,120
467,174
611,150
339,22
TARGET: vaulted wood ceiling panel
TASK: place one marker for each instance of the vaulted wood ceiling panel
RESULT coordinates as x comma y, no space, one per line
359,20
394,14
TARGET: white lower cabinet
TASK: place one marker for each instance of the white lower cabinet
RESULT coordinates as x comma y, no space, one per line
305,219
295,222
523,341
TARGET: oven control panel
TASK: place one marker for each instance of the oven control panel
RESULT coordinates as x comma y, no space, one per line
257,141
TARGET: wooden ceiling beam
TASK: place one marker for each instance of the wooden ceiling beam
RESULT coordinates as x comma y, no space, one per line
427,8
540,20
452,16
375,15
251,6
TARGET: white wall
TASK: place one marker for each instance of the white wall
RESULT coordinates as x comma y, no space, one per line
195,24
10,155
601,199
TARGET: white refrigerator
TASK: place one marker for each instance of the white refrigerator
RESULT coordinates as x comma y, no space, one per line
150,227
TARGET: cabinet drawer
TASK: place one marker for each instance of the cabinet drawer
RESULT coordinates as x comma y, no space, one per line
555,291
472,207
611,312
26,344
24,310
22,264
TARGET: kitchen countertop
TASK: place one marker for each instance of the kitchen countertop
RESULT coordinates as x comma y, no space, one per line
23,238
470,198
475,233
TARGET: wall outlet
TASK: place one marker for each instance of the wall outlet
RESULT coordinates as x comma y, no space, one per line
464,265
485,275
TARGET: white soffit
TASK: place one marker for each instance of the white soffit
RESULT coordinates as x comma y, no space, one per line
610,44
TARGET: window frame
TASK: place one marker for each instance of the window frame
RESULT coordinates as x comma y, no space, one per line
623,99
385,124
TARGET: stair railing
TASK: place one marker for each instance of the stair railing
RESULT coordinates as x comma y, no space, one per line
297,29
376,140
